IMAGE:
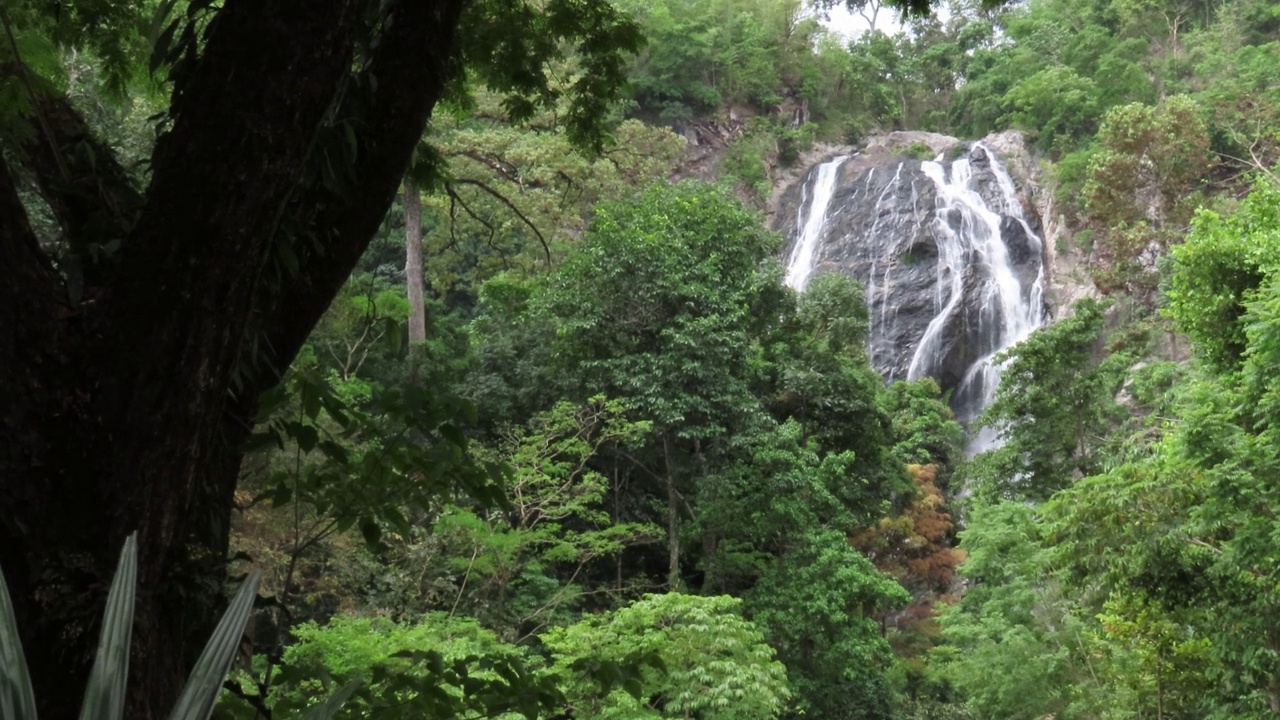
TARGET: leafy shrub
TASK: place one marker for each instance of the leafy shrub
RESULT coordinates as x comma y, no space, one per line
718,666
919,151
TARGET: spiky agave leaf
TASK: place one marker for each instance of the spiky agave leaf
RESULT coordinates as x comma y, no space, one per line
17,700
330,707
205,682
104,695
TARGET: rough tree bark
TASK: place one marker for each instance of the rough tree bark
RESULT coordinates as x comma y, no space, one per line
124,403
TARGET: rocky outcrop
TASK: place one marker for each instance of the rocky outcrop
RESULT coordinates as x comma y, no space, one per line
879,149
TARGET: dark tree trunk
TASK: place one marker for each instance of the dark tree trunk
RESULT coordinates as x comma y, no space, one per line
124,404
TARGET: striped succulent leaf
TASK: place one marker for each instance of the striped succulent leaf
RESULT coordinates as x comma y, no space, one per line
104,694
17,701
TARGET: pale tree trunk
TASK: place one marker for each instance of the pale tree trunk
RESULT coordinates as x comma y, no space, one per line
1273,680
673,521
874,6
617,518
413,263
709,540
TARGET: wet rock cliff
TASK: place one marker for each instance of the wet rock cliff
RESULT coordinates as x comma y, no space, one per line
952,261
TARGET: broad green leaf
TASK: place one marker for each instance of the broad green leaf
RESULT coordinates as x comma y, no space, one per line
330,707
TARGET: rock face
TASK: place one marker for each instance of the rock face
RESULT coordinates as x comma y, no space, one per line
1067,276
952,264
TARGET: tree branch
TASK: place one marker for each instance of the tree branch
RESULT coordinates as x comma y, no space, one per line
511,206
456,200
172,320
31,309
507,170
90,193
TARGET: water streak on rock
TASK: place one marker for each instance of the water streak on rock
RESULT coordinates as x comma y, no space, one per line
811,221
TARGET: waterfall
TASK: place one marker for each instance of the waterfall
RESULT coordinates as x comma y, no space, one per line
952,267
970,232
812,222
1010,314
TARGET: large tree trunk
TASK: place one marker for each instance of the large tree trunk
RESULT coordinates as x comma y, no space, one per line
124,404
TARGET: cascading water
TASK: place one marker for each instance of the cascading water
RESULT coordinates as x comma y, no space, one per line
812,221
952,267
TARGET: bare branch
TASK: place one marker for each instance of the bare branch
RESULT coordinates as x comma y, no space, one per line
1256,164
546,249
456,201
506,169
1200,543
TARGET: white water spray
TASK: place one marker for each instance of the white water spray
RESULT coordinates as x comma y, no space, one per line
811,221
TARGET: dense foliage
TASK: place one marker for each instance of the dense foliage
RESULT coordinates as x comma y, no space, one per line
669,417
624,472
1142,581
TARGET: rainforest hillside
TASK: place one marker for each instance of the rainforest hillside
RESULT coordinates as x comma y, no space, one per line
504,395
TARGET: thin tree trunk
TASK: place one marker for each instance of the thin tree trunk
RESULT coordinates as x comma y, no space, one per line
709,578
1159,686
673,520
617,518
413,263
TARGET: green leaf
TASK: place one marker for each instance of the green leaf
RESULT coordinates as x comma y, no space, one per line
205,682
104,694
452,434
17,701
633,686
371,532
311,398
307,437
282,495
